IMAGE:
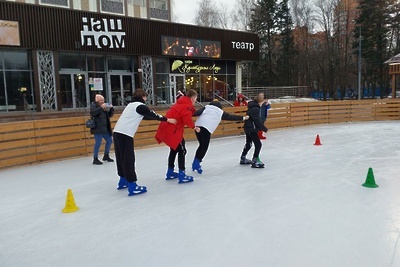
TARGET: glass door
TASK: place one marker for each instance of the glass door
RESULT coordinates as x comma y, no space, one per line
177,83
121,89
73,90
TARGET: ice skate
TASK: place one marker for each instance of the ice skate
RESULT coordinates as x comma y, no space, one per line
256,163
171,174
183,178
122,184
196,166
135,189
244,161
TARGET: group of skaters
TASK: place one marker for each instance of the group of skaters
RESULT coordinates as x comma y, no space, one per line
170,132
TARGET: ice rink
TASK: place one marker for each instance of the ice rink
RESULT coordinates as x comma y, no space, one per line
306,208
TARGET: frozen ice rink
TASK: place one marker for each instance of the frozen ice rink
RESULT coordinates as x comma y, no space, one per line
306,208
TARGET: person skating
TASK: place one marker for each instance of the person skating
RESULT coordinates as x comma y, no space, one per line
263,114
209,118
251,128
172,135
124,133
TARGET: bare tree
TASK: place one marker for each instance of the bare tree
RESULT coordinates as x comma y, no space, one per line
242,16
329,60
207,14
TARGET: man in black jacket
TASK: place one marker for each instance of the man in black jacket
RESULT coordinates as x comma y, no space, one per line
101,113
251,128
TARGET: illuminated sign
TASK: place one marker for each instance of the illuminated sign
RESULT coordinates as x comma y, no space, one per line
243,46
185,47
102,33
9,33
187,67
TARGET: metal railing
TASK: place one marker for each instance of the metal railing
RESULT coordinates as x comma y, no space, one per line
275,92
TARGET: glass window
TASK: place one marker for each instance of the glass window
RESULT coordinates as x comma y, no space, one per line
220,87
219,67
231,84
55,2
2,93
137,2
16,60
120,63
159,4
88,5
162,65
95,63
193,82
231,67
73,61
162,89
104,83
1,60
206,85
19,89
112,6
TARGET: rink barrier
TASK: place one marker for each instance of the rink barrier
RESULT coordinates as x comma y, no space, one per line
35,141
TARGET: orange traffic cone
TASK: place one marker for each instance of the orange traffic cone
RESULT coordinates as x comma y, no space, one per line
70,203
317,141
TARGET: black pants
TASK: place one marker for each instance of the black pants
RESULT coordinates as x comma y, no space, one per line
252,138
181,151
125,156
203,137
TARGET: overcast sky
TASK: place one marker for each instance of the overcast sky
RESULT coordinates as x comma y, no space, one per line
185,11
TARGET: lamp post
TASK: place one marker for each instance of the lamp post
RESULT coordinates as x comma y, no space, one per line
359,66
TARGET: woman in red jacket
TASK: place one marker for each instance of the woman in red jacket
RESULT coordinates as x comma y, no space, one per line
182,111
240,101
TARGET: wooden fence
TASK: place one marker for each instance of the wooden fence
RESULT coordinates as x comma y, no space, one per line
35,141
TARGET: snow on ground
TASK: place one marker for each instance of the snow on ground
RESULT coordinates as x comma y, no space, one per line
306,208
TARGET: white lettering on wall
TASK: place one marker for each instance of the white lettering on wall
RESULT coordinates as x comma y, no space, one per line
104,33
243,46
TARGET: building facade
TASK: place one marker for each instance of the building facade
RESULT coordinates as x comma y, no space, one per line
58,58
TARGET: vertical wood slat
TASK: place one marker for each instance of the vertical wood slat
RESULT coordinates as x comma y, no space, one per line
50,139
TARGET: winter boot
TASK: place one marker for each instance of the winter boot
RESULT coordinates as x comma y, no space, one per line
256,163
134,189
244,161
261,135
107,158
183,178
171,174
122,184
196,166
96,161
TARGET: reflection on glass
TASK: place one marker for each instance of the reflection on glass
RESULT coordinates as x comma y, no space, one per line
80,89
66,91
19,90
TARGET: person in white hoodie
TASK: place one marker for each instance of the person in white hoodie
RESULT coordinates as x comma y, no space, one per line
124,131
209,118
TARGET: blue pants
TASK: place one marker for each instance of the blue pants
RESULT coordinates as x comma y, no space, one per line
98,138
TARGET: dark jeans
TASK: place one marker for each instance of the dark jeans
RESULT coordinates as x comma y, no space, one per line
203,137
252,138
125,156
98,138
181,151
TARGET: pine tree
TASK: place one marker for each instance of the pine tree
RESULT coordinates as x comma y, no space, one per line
373,21
264,23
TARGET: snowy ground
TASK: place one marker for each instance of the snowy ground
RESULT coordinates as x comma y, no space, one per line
306,208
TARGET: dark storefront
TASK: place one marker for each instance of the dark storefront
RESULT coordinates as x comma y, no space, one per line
57,59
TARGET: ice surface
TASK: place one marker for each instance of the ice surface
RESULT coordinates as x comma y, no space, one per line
306,208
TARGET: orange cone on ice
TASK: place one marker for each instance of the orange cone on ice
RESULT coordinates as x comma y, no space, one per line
317,141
